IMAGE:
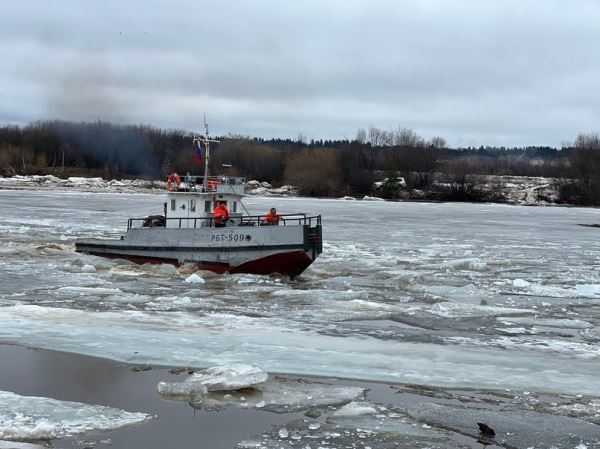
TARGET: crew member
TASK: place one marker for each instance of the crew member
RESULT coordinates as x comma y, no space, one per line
221,215
272,218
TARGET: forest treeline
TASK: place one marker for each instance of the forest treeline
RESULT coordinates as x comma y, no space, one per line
317,167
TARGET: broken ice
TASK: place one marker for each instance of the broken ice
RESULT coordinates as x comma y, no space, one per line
34,418
278,394
218,378
453,295
354,425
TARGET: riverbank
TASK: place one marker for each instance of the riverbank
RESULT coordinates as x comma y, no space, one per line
504,189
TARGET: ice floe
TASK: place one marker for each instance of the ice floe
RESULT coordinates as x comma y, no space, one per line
464,294
20,445
554,291
218,378
473,264
561,323
254,187
355,409
195,279
448,309
587,289
592,334
87,268
520,283
182,339
277,394
36,418
79,183
89,290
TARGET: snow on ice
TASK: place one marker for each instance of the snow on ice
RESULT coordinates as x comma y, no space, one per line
78,183
121,186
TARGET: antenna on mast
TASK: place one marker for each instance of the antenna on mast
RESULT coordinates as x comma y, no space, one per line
206,141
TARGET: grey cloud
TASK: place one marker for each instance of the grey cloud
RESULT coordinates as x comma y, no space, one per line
493,72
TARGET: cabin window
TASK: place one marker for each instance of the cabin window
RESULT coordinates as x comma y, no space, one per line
172,204
192,205
234,206
207,206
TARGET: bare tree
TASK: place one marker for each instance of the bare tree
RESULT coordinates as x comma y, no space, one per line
361,136
376,136
437,142
407,138
375,141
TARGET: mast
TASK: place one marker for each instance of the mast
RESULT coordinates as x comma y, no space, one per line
206,141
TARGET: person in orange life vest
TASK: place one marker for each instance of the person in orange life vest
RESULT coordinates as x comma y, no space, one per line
221,215
272,218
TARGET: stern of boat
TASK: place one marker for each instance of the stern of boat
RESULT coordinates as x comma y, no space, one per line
313,237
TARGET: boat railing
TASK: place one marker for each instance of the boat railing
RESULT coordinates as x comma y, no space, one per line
284,219
213,183
208,222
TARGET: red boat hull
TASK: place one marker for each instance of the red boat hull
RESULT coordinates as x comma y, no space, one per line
289,263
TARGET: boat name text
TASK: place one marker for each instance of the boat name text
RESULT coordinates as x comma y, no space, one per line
230,237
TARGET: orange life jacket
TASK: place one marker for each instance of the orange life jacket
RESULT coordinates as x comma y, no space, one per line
221,213
272,219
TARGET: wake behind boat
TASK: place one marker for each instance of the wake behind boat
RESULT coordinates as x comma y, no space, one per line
192,231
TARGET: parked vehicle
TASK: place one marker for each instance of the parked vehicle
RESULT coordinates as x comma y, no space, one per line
398,182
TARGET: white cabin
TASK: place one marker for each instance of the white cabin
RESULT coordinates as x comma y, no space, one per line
193,202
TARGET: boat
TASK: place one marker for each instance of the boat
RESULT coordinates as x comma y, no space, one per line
189,233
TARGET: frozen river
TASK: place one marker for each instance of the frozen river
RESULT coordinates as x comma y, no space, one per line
487,297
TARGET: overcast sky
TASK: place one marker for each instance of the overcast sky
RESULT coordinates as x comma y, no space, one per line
476,72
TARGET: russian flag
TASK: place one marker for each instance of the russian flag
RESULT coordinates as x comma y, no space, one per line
198,153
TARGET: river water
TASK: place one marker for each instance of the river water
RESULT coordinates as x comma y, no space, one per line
441,297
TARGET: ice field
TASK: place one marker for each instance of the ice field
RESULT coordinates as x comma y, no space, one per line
477,296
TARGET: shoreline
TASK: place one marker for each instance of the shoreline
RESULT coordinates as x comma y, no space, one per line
524,194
